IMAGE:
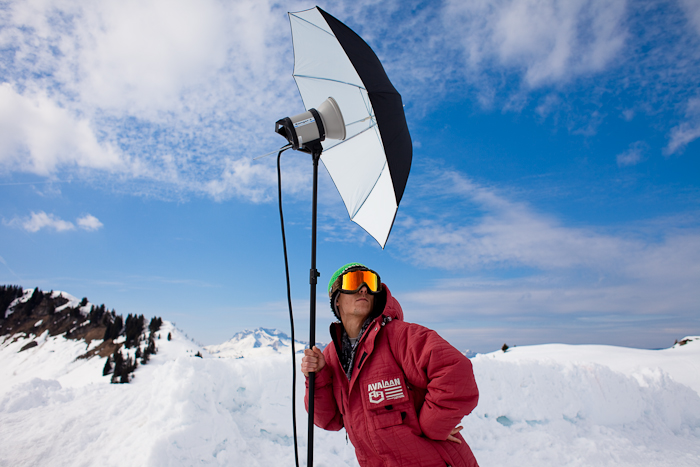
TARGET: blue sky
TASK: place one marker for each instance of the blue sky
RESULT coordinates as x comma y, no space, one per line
554,194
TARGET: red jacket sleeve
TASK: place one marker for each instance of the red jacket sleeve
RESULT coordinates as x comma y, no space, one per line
326,413
431,363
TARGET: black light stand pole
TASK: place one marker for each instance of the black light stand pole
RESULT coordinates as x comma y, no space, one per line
314,274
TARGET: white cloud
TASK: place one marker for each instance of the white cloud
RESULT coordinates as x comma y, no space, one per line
38,136
538,297
687,131
146,57
37,221
178,93
140,57
692,11
548,41
179,88
89,222
244,178
644,55
507,233
518,262
681,136
40,220
633,155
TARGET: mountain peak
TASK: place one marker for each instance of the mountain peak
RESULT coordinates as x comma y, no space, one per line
260,342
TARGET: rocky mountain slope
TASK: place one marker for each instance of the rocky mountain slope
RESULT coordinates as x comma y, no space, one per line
34,316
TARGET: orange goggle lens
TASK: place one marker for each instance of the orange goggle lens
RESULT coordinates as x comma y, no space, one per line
353,280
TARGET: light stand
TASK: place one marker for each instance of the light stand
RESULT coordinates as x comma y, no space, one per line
313,279
305,133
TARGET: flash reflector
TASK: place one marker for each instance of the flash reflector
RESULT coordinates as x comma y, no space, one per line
309,128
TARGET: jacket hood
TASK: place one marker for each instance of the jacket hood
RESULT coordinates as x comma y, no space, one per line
392,308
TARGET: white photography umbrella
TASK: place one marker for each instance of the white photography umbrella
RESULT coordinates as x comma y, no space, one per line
370,165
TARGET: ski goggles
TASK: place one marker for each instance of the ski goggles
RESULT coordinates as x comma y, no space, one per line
352,281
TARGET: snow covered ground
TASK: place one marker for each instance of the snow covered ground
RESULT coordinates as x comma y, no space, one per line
587,405
545,405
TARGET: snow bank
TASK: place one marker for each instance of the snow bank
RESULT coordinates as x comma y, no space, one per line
537,408
179,410
681,362
54,358
585,405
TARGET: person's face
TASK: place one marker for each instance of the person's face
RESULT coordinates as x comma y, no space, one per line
355,306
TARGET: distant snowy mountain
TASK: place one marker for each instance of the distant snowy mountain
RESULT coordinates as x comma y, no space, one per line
261,342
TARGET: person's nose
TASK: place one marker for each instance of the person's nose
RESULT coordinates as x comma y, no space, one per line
364,289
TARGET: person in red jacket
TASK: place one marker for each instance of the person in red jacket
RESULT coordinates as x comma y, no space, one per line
397,388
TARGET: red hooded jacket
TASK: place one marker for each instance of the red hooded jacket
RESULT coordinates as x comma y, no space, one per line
409,389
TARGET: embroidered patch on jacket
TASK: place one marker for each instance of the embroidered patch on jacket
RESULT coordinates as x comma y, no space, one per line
386,391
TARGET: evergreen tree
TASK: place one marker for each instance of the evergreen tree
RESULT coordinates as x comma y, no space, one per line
133,330
95,315
123,367
106,317
155,324
128,368
118,365
75,313
33,301
116,327
151,349
8,294
146,357
108,367
108,331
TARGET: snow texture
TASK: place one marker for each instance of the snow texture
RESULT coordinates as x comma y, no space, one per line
544,405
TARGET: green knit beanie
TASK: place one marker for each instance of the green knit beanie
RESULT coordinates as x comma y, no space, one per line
340,272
